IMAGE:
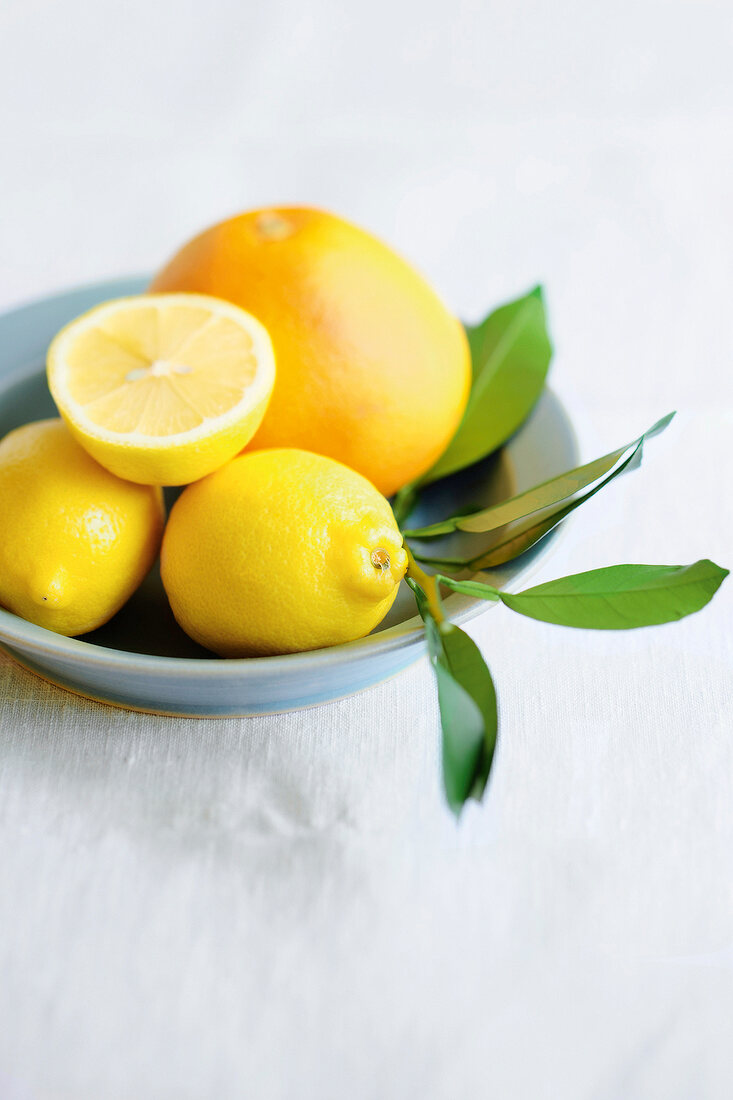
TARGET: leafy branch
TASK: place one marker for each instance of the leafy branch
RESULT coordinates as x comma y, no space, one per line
619,597
510,357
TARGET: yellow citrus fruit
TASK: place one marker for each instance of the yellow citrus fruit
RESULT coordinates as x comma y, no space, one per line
281,551
372,368
75,541
162,390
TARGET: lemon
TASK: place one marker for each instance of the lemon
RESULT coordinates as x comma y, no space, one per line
75,541
281,551
162,389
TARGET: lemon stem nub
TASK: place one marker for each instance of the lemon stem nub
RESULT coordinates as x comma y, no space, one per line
380,559
272,226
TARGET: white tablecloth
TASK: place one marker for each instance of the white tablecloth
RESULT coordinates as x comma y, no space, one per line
282,907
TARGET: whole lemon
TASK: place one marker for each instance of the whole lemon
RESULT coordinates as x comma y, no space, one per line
75,541
372,369
281,551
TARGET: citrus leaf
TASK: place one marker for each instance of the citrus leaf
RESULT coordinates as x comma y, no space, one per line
469,718
556,491
477,589
510,357
467,702
420,599
514,540
621,597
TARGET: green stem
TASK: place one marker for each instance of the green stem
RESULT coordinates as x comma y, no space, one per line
428,584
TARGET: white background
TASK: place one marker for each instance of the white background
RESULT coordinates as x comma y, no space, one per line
282,907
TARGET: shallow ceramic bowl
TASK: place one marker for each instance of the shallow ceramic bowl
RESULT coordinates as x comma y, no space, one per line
142,660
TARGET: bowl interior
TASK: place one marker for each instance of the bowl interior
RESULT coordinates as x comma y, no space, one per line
545,445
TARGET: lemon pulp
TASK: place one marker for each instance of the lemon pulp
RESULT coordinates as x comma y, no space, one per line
162,389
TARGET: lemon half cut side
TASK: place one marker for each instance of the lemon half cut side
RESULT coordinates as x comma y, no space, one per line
162,389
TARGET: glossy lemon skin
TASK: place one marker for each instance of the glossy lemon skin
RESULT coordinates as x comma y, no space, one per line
75,541
275,553
372,369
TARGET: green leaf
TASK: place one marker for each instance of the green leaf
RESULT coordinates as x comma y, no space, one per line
511,541
468,713
477,589
556,491
621,597
510,357
420,599
467,701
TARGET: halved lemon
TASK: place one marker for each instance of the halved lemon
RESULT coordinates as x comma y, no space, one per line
162,389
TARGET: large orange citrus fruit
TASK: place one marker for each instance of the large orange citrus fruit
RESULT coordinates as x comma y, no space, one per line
372,369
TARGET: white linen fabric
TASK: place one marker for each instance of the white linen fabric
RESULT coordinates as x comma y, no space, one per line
281,907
